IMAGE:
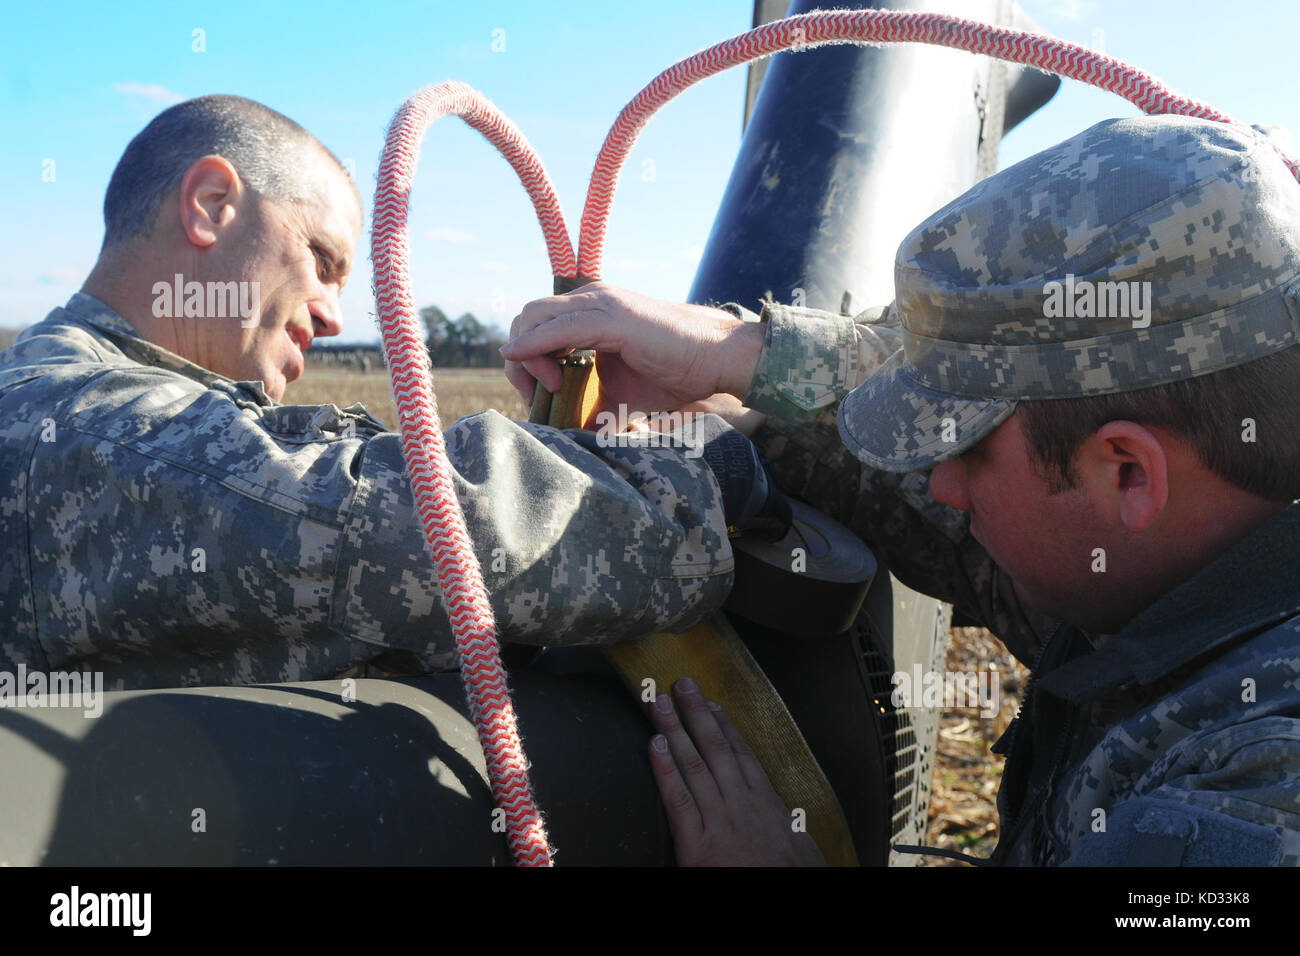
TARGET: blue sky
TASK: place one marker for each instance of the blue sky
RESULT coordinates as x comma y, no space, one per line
81,79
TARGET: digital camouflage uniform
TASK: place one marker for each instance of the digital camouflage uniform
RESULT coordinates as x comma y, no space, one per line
1176,741
167,526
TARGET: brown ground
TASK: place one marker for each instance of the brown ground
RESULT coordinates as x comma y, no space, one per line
963,812
963,804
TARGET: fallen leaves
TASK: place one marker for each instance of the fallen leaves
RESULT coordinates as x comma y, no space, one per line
963,802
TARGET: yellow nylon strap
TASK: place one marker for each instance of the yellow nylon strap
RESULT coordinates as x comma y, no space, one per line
573,404
717,659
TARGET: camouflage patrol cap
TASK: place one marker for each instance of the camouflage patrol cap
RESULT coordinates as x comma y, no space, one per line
1139,252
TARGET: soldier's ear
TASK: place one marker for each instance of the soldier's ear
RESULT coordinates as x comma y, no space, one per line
1125,466
209,193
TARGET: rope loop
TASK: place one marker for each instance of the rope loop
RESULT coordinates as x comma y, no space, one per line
447,538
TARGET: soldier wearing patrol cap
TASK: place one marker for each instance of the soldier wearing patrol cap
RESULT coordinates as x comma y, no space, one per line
1077,423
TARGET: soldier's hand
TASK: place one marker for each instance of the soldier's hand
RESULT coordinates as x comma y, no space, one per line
653,355
721,806
731,410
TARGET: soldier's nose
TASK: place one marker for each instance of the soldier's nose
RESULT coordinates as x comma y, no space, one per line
327,321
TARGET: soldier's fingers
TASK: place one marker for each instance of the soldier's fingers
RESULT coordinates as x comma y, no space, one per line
589,329
693,769
538,311
754,774
545,370
523,382
683,812
708,737
524,376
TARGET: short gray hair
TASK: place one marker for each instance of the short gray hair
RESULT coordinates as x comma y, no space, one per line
269,151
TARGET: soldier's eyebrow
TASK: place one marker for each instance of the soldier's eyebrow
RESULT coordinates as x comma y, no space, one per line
343,266
340,264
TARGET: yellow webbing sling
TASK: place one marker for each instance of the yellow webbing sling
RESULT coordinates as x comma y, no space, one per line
715,657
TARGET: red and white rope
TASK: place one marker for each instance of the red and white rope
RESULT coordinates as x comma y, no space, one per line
862,26
459,575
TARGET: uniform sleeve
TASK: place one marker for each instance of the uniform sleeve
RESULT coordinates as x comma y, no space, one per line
183,535
810,361
579,544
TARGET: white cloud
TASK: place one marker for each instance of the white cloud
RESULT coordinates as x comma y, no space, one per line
152,92
631,265
692,253
61,277
457,237
492,265
1074,10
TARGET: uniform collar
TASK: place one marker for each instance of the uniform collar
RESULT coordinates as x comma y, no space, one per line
1252,586
89,310
92,311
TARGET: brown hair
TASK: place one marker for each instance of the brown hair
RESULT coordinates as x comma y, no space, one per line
1216,414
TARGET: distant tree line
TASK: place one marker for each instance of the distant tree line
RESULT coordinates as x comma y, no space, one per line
463,342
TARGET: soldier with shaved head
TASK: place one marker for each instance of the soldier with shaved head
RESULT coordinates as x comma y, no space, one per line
165,520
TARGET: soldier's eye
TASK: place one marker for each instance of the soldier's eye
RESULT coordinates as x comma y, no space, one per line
322,261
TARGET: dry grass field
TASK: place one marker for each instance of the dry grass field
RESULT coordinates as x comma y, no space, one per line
963,812
461,391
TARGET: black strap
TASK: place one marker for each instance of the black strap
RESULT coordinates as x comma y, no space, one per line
935,851
563,284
